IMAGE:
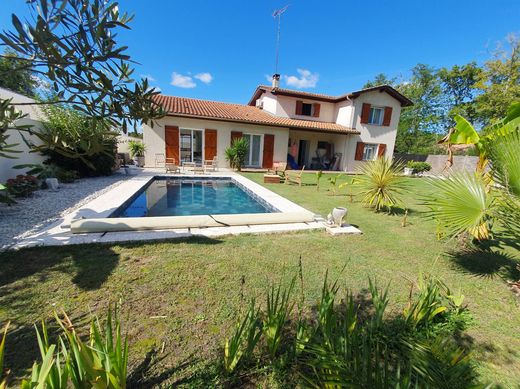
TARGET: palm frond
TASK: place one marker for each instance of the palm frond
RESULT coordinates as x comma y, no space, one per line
461,204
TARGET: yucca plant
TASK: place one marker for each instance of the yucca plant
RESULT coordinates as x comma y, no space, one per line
244,339
236,154
427,305
333,181
381,183
319,174
278,309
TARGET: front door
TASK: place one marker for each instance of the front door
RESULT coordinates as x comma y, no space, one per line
191,145
303,152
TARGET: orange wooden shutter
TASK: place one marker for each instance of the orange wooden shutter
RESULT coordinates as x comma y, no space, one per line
388,116
299,107
171,140
365,113
360,147
267,161
316,110
381,150
210,144
235,135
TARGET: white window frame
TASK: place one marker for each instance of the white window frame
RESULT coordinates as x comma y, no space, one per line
260,157
381,117
370,151
191,131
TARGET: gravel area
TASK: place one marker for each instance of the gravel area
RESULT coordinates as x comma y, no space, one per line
44,207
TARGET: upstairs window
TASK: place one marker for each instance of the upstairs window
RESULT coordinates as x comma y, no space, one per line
376,115
307,109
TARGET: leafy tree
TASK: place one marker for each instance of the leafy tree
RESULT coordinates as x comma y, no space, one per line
71,44
500,82
459,89
14,77
380,79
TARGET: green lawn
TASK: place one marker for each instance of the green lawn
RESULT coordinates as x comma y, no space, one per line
180,297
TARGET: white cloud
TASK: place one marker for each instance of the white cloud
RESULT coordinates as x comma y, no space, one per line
148,77
206,78
306,79
268,78
182,81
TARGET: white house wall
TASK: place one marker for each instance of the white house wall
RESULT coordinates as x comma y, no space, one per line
372,133
25,157
154,138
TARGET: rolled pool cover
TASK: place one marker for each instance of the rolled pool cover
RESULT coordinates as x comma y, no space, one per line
196,221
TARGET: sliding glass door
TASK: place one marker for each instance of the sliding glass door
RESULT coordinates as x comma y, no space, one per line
254,152
191,145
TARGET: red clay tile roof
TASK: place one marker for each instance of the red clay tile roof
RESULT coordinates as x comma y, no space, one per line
215,110
405,102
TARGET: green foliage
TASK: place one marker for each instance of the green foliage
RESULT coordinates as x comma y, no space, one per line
72,141
461,204
469,203
236,154
3,378
419,167
319,174
500,82
44,171
380,183
137,148
277,312
15,76
5,198
8,116
333,180
244,339
85,68
22,185
343,346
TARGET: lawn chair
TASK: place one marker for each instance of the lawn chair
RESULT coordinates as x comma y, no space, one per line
160,160
294,177
278,168
211,164
171,166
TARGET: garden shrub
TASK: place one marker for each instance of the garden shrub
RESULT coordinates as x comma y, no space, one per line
87,146
236,154
22,185
348,342
419,167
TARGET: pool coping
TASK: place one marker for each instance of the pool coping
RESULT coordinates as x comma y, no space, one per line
59,233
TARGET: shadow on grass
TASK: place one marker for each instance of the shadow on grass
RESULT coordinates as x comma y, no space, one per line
486,263
90,264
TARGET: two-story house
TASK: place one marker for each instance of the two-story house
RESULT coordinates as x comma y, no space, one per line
317,131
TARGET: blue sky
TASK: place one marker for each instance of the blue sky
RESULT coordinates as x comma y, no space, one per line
223,50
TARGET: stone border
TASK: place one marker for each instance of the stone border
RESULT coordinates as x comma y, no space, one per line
58,234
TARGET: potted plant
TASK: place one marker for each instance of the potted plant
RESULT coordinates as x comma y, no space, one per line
137,150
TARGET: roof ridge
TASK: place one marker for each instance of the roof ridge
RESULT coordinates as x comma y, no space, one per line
203,100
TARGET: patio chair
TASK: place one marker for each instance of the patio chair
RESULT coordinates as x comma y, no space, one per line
278,168
294,177
211,164
171,166
160,160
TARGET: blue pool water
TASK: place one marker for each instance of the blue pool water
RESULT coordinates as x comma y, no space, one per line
181,197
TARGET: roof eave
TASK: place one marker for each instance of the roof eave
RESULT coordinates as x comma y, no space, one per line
346,132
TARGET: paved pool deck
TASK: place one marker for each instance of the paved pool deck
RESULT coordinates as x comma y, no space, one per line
58,233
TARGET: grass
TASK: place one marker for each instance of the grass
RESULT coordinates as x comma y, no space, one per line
180,297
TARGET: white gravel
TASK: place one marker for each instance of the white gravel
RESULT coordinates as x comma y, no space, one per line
45,207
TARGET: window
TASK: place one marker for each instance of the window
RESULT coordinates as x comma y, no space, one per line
376,115
306,109
369,152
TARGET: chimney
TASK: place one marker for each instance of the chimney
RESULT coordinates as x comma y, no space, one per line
276,81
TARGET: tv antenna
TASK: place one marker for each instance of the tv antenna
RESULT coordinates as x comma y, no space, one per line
277,14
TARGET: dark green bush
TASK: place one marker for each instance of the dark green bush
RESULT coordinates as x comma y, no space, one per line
419,167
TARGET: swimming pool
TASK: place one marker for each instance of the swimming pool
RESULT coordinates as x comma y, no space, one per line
176,196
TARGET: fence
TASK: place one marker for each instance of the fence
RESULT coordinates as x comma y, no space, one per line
438,162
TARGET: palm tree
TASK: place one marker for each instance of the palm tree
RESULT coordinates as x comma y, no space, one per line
472,202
